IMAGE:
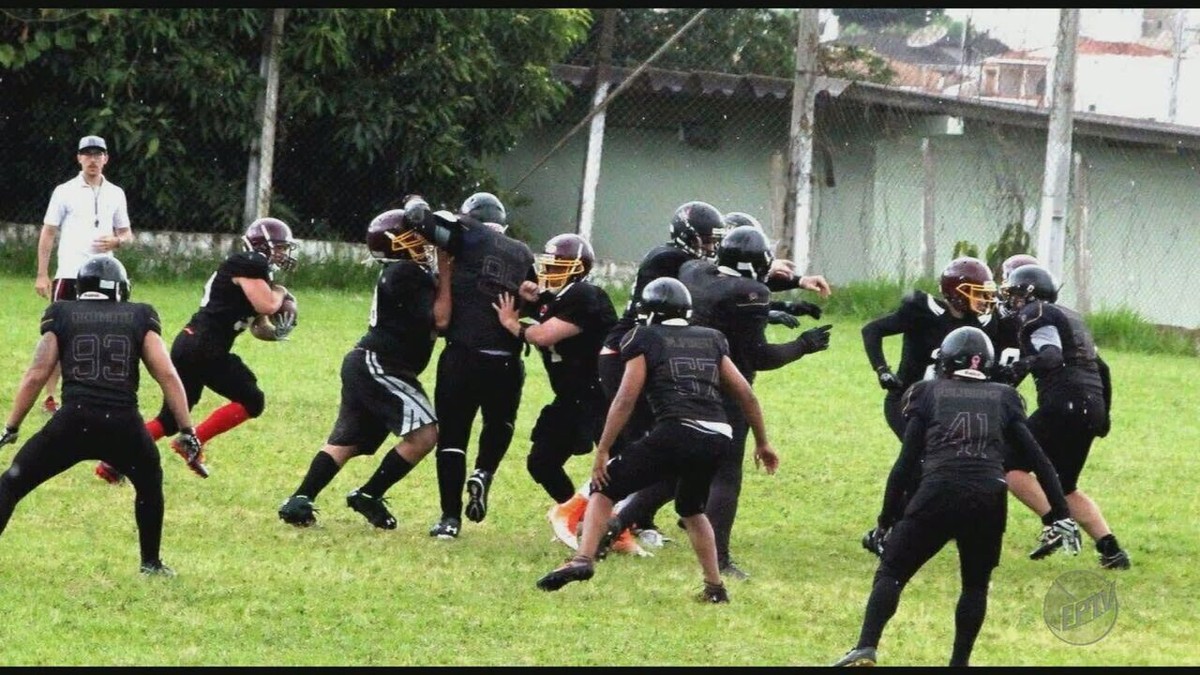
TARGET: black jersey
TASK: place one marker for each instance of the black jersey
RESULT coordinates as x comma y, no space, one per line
225,311
1079,375
924,321
400,326
964,423
661,261
100,348
571,363
735,305
683,380
486,263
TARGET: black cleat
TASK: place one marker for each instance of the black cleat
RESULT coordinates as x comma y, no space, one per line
1116,561
156,568
477,495
1048,542
374,509
864,656
298,510
446,528
731,570
575,569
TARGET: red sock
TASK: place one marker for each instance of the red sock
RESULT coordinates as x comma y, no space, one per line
221,420
155,428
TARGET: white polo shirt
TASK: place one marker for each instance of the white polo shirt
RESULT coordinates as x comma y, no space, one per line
83,213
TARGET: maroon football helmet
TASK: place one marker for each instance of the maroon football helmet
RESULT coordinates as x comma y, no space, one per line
968,287
273,238
567,258
1013,262
391,238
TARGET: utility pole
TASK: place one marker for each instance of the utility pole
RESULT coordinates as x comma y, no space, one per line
797,212
262,150
1177,49
591,164
1056,180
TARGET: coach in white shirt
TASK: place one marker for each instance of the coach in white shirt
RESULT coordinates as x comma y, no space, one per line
90,216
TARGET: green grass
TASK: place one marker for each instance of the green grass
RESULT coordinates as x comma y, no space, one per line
253,591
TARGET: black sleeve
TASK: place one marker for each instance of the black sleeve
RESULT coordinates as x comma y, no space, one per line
249,265
1018,436
777,284
904,472
150,321
1106,380
635,344
444,230
874,331
50,319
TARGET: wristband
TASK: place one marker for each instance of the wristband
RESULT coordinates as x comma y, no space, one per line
521,332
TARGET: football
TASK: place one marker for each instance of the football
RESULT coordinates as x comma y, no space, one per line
277,326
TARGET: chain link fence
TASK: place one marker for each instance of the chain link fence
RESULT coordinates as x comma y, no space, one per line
902,180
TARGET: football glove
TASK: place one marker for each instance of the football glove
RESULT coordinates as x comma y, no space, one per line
782,318
415,210
814,339
1068,532
875,539
189,442
802,308
284,323
10,436
888,381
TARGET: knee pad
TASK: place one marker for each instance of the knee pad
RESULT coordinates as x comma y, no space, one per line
255,404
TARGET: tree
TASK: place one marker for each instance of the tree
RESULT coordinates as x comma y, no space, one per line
373,103
756,41
887,17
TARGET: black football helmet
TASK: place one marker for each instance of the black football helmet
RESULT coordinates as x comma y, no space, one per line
102,277
390,238
738,219
966,352
1028,282
967,286
745,249
486,208
696,227
273,238
663,299
567,258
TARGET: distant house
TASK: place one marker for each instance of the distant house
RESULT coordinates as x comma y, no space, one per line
928,65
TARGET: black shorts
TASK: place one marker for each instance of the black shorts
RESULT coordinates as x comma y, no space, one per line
1065,433
973,514
672,450
573,425
376,400
64,289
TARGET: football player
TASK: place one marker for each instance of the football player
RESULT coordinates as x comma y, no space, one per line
954,443
380,389
731,296
480,368
682,370
241,292
571,318
1074,394
99,340
968,295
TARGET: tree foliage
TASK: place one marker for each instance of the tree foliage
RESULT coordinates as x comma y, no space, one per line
887,17
373,104
755,41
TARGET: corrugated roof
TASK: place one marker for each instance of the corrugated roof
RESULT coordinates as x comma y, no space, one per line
760,86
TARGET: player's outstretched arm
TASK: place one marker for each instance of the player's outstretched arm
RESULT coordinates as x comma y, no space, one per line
158,363
45,356
736,385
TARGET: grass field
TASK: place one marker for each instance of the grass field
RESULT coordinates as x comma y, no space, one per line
253,591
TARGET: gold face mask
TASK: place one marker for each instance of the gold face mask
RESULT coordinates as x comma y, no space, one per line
415,247
554,273
980,297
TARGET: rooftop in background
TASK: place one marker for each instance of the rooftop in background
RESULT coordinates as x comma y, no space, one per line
945,52
703,83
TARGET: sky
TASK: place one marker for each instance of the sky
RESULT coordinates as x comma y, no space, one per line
1025,29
